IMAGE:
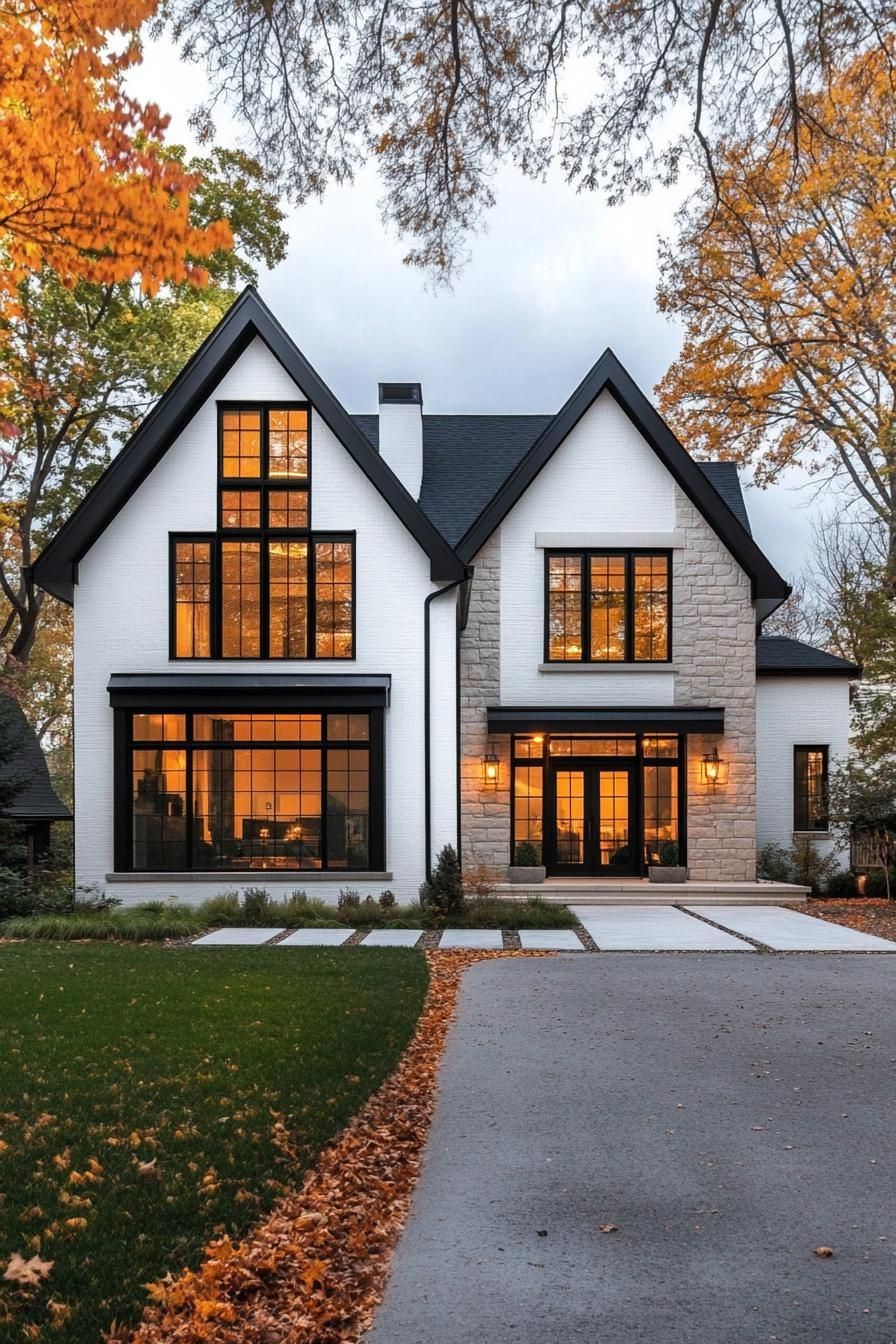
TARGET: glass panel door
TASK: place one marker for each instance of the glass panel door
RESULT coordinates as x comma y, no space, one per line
614,812
570,818
593,810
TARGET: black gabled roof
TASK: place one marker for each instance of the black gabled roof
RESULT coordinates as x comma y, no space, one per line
245,320
467,458
779,655
26,769
610,376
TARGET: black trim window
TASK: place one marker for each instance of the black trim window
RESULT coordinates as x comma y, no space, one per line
810,788
528,795
237,792
264,586
608,606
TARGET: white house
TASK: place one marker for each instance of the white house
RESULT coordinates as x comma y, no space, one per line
311,648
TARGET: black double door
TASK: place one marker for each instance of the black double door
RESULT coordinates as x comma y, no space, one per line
592,819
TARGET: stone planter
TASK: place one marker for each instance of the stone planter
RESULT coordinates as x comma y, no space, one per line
518,876
658,874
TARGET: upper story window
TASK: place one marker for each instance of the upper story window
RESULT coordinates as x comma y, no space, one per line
608,607
810,788
264,585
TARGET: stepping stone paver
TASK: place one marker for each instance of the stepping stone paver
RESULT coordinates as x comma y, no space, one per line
790,931
652,928
551,940
487,940
236,937
317,938
392,938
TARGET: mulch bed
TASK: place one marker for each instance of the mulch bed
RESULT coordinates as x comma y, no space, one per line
313,1271
861,913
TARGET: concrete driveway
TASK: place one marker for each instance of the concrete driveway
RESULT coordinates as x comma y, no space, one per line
728,1114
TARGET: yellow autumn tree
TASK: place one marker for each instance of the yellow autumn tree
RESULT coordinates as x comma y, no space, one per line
785,281
83,188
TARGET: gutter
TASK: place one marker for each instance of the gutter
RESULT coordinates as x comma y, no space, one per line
427,731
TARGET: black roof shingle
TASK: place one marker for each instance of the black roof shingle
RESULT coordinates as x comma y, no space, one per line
466,458
35,798
782,656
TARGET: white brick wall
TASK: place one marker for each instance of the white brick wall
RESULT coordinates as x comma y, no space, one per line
794,711
121,625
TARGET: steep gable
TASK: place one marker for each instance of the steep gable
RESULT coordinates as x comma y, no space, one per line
248,319
608,375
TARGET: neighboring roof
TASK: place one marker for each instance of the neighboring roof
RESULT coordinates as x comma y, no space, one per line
467,458
36,798
246,319
778,655
769,588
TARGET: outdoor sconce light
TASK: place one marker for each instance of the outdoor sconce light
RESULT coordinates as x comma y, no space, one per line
712,770
490,771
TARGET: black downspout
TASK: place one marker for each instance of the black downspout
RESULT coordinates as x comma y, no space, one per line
427,783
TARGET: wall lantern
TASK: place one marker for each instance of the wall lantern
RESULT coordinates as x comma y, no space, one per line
490,771
713,771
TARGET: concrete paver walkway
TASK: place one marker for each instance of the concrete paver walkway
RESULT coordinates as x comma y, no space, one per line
551,940
645,928
392,938
484,939
317,938
727,1114
236,937
790,931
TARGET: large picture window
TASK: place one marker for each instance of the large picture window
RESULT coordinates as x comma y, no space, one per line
810,788
264,585
608,607
243,792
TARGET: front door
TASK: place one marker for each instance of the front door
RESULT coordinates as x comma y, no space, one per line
593,813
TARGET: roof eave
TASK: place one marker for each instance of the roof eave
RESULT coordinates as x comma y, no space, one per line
609,375
248,318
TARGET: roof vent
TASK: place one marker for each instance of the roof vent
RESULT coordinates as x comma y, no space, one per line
401,394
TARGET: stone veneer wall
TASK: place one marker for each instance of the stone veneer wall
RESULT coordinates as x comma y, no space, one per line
714,653
485,813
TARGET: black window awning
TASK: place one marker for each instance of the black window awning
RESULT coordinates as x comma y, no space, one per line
235,691
601,719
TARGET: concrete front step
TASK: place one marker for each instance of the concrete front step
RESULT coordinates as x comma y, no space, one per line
581,891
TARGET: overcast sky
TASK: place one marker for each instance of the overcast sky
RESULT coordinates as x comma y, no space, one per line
555,279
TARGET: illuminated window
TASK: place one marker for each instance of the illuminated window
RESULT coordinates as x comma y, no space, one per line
608,607
192,599
265,585
810,788
234,792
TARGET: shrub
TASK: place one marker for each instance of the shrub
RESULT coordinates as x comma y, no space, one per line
443,892
876,884
774,864
497,914
526,855
136,924
257,905
387,900
803,863
17,897
669,854
349,899
221,909
841,886
479,880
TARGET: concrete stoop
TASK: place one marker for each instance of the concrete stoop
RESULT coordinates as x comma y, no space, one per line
638,891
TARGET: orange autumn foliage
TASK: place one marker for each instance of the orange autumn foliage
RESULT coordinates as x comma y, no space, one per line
785,285
83,187
313,1271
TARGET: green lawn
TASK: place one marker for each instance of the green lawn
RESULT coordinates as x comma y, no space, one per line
153,1098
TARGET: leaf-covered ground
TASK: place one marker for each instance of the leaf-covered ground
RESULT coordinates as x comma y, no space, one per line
155,1099
868,916
313,1271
